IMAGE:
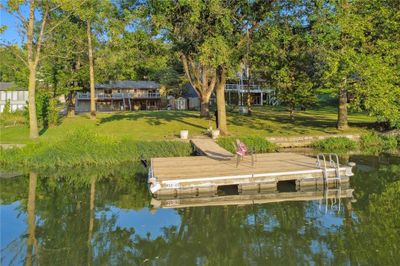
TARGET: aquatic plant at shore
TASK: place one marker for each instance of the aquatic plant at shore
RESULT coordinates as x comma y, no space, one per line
87,148
370,143
335,144
374,143
255,143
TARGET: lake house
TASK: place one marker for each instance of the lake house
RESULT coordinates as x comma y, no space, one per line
16,96
121,95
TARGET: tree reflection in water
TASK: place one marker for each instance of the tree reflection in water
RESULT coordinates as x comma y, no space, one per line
105,219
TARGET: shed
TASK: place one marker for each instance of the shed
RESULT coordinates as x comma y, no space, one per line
180,103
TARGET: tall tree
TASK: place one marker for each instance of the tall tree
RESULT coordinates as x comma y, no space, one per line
91,70
357,56
208,36
91,11
282,54
34,45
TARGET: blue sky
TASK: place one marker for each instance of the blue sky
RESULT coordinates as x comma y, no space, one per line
11,34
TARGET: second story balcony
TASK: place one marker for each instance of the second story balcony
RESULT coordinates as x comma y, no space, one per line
118,96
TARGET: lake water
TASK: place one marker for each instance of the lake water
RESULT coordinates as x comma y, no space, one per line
104,217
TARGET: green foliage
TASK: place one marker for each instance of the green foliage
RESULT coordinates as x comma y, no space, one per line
52,112
254,143
46,109
12,69
374,143
7,107
357,42
335,144
87,148
371,143
282,53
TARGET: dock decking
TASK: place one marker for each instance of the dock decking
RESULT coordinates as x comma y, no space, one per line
202,174
209,148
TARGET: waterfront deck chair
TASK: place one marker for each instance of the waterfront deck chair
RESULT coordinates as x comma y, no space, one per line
242,150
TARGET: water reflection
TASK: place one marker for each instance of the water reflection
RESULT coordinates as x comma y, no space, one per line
330,197
103,219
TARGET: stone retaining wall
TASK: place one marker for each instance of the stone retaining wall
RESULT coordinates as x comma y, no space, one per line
305,141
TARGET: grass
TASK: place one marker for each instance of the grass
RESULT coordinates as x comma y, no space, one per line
165,125
84,147
254,143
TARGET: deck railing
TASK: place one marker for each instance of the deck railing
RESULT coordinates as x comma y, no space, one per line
118,96
245,87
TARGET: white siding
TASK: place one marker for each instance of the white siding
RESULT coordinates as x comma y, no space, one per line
17,99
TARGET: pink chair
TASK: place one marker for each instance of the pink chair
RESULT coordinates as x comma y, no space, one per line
241,151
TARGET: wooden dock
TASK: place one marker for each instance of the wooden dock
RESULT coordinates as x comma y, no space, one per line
204,174
209,148
254,197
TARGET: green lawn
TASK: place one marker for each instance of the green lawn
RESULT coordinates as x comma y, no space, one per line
159,125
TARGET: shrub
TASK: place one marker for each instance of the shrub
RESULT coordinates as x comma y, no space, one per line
389,143
255,143
52,112
335,144
371,140
7,107
374,143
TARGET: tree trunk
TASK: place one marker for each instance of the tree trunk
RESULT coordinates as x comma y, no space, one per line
91,73
220,92
248,96
205,106
31,219
33,125
342,110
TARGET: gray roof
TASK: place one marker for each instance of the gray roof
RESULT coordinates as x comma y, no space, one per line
128,84
5,85
189,92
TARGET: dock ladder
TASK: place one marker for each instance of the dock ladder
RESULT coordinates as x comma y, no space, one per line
333,162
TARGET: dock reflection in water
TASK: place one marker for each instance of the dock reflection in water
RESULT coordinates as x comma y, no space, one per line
328,197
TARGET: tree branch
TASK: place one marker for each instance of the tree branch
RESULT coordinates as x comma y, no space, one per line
186,69
11,48
40,38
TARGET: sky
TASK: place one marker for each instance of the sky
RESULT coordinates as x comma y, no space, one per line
11,34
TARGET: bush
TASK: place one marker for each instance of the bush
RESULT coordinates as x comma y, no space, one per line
46,110
374,143
335,144
371,140
86,148
254,143
389,143
52,112
7,107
